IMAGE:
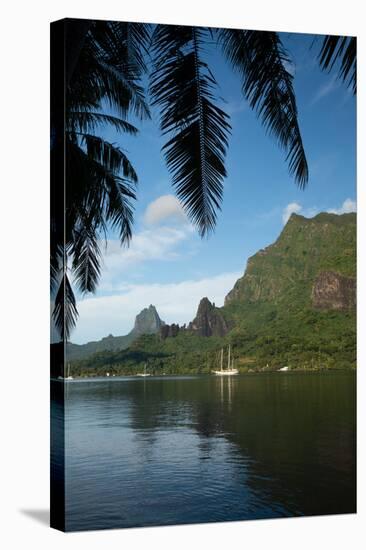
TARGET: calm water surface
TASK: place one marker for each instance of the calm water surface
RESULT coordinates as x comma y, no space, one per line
168,450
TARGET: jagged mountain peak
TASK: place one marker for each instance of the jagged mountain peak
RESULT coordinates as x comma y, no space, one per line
147,321
209,321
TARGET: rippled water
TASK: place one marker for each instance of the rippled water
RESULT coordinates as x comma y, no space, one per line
175,450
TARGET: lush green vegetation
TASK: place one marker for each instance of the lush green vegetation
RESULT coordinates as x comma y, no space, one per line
270,309
265,339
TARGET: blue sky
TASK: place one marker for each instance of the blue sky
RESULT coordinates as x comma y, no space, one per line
167,263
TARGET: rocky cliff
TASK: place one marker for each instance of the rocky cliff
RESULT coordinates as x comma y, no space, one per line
147,321
169,331
209,321
333,291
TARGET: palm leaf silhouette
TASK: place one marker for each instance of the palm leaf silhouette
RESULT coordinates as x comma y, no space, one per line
86,256
182,86
65,313
105,70
262,63
343,48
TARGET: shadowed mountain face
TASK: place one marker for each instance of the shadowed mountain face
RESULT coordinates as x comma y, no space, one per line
209,320
146,322
334,291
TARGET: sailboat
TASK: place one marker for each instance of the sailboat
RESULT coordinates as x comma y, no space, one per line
68,377
230,371
144,374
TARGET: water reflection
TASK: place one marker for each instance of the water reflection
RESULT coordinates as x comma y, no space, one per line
177,450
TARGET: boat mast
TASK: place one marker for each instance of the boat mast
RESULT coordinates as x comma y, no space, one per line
228,359
222,358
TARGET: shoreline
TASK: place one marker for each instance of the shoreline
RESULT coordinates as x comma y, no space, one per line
211,375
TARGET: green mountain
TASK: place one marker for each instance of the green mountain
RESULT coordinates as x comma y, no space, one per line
286,270
146,322
294,306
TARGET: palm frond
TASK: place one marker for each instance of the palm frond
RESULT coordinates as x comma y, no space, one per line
97,194
267,84
123,93
86,258
100,77
182,86
85,121
123,44
343,49
120,209
108,64
120,50
56,262
111,157
65,312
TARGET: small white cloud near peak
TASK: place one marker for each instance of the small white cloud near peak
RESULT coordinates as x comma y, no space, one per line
292,208
166,207
348,206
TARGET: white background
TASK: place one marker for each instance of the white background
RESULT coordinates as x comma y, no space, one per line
24,307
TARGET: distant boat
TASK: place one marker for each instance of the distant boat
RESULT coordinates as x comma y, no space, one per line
68,377
107,374
230,371
144,374
284,369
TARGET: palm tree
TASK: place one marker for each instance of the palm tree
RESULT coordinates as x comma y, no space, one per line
100,179
107,61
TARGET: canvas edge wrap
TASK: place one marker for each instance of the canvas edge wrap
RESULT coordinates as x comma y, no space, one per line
57,215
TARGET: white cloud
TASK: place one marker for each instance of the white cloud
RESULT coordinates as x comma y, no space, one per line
175,302
160,243
310,212
325,90
149,244
166,207
348,206
293,207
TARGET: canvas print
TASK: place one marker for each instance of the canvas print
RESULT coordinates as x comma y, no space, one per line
203,274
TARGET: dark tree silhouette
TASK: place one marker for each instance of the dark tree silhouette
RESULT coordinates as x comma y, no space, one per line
100,179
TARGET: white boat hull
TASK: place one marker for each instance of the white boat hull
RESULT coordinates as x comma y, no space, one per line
230,372
143,375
